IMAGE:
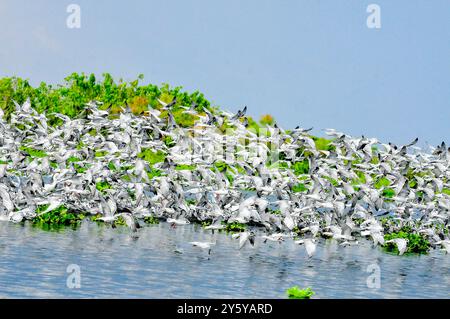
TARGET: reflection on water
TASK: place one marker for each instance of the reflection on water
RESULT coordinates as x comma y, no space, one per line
159,263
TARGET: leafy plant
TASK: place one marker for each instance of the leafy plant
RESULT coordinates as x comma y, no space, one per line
60,216
102,186
33,152
151,220
323,143
234,227
182,167
119,221
388,192
297,293
190,201
300,167
382,182
206,223
138,104
152,157
331,180
275,212
184,119
73,159
153,172
417,244
79,168
168,141
221,166
95,218
112,167
100,153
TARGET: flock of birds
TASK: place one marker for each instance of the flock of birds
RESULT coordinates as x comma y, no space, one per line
340,198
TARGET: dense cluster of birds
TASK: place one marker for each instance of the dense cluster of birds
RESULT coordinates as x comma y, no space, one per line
219,177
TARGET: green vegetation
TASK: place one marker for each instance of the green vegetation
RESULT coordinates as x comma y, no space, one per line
297,293
168,141
80,145
275,212
119,221
331,180
152,157
280,164
205,223
361,178
53,164
138,104
60,216
300,187
95,218
221,166
32,152
228,170
151,220
417,244
382,182
184,119
153,172
73,159
323,143
70,98
191,201
100,153
79,168
102,186
234,227
300,167
182,167
388,192
112,167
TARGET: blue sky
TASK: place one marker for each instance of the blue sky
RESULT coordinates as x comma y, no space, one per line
308,63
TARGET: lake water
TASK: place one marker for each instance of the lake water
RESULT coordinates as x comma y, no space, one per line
159,263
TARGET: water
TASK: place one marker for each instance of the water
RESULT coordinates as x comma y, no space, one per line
113,263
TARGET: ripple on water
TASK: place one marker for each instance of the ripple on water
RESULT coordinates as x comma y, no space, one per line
115,264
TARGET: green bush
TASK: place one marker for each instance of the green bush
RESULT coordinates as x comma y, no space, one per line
78,89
